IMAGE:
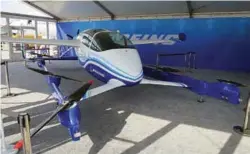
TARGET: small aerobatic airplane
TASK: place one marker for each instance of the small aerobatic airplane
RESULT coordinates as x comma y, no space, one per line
107,55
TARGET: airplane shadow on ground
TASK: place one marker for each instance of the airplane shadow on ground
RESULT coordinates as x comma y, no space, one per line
102,122
101,125
102,119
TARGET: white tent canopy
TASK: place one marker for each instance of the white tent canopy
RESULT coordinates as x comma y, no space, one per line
19,7
82,10
77,10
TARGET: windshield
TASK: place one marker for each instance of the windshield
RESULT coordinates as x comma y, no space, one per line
112,40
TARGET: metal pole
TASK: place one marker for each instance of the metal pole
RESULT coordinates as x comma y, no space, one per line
245,130
24,122
47,28
9,94
47,35
246,126
157,61
36,33
194,62
10,35
189,61
7,78
185,59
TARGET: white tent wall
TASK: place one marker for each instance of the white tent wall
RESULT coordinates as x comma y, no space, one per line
24,25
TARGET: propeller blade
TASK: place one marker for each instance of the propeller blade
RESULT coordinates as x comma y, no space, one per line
39,71
49,73
168,69
70,36
64,77
164,69
78,31
46,121
77,95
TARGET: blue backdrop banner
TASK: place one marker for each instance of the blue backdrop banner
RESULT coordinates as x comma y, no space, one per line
219,43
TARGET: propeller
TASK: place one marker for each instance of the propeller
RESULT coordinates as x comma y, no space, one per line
168,69
49,73
164,69
71,37
77,95
74,97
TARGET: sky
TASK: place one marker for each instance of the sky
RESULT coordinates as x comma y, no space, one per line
17,6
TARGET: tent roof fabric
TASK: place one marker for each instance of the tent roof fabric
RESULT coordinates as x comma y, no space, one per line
79,10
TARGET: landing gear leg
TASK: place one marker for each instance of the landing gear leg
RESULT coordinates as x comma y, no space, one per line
70,118
9,94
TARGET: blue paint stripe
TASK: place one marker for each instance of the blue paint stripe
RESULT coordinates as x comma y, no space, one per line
113,71
112,66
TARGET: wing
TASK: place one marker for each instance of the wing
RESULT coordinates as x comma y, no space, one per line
112,84
75,43
164,83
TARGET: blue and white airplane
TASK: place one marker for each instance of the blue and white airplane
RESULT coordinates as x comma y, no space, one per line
108,56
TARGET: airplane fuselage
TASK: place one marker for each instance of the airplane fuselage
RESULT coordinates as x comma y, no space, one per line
123,64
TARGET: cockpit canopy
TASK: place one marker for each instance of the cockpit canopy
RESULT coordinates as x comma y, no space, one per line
102,40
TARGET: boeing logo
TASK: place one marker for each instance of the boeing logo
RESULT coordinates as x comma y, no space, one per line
171,39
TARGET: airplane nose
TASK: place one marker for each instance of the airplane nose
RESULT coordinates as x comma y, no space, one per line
131,63
126,63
